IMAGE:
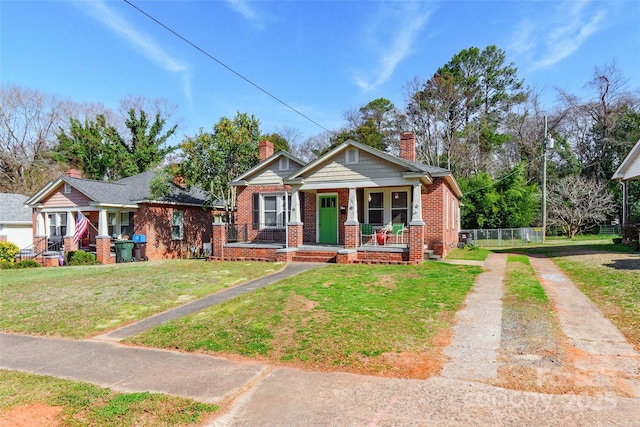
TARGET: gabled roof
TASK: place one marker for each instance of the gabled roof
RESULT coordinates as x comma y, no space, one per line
630,166
240,180
13,210
127,191
413,169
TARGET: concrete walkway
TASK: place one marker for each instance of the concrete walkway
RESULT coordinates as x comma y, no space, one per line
600,348
256,394
476,334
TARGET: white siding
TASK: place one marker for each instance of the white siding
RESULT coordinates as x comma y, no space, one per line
634,169
368,167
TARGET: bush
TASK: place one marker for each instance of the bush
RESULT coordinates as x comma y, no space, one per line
8,250
25,263
81,257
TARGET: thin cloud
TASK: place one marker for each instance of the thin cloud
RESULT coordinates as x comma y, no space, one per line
550,39
149,47
247,12
402,34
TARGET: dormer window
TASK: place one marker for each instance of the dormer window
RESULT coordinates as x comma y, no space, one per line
67,188
283,164
352,156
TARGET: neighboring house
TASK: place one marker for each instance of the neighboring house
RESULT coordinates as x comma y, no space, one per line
174,225
352,204
15,220
629,169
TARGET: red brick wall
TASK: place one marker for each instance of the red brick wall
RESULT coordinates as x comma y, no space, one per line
309,217
154,220
244,200
440,231
383,257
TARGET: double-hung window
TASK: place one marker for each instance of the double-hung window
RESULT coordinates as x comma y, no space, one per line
120,224
375,212
399,207
269,210
387,206
177,225
58,224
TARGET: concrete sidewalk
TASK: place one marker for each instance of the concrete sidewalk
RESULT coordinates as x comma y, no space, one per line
256,394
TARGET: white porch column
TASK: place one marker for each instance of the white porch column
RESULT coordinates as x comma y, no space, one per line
103,226
71,224
295,207
40,224
416,205
352,209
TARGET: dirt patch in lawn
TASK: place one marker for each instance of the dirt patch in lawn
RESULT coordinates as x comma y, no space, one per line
36,415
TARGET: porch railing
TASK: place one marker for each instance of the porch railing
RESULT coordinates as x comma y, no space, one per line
53,247
259,233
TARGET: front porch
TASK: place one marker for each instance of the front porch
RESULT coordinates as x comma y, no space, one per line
228,244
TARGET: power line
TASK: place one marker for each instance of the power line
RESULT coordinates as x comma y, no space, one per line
184,39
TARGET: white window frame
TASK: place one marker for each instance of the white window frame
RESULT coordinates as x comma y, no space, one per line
58,221
115,223
352,156
387,202
281,207
283,164
67,188
177,220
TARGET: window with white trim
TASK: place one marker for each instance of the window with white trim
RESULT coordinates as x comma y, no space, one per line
120,224
283,164
270,212
375,208
177,225
67,188
58,224
351,156
387,206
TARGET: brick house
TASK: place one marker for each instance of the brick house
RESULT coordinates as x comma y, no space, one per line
352,204
174,226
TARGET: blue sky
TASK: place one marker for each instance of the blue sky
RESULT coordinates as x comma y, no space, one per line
320,57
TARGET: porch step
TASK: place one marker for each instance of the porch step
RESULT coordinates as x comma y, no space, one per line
315,256
428,254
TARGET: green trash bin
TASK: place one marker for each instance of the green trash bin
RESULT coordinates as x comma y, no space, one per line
124,250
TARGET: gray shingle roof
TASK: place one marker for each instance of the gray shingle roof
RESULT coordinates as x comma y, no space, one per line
13,209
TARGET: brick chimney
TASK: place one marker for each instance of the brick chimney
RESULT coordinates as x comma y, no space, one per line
408,146
74,173
265,149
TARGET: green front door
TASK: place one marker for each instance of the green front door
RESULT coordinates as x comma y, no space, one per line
328,220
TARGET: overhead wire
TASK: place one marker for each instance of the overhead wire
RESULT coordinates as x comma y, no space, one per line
201,50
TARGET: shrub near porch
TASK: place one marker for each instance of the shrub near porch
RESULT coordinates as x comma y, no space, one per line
388,320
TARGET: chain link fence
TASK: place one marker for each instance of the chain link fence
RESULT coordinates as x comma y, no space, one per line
501,237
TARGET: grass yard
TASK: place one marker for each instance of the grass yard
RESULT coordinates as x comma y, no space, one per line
531,337
387,320
609,274
473,253
27,399
83,301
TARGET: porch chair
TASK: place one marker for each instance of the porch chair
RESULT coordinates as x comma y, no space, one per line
366,233
397,230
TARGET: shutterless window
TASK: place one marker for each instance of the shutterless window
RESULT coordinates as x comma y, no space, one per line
126,223
177,225
112,224
375,211
399,207
283,164
351,156
58,224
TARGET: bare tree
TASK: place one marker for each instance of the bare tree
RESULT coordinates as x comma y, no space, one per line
29,121
575,203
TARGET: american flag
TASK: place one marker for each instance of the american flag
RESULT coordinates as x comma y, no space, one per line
82,224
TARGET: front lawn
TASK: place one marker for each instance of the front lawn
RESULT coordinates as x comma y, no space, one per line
84,301
390,320
27,399
469,252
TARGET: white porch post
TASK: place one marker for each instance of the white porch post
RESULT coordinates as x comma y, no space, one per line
416,205
295,207
40,224
103,229
71,224
352,209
